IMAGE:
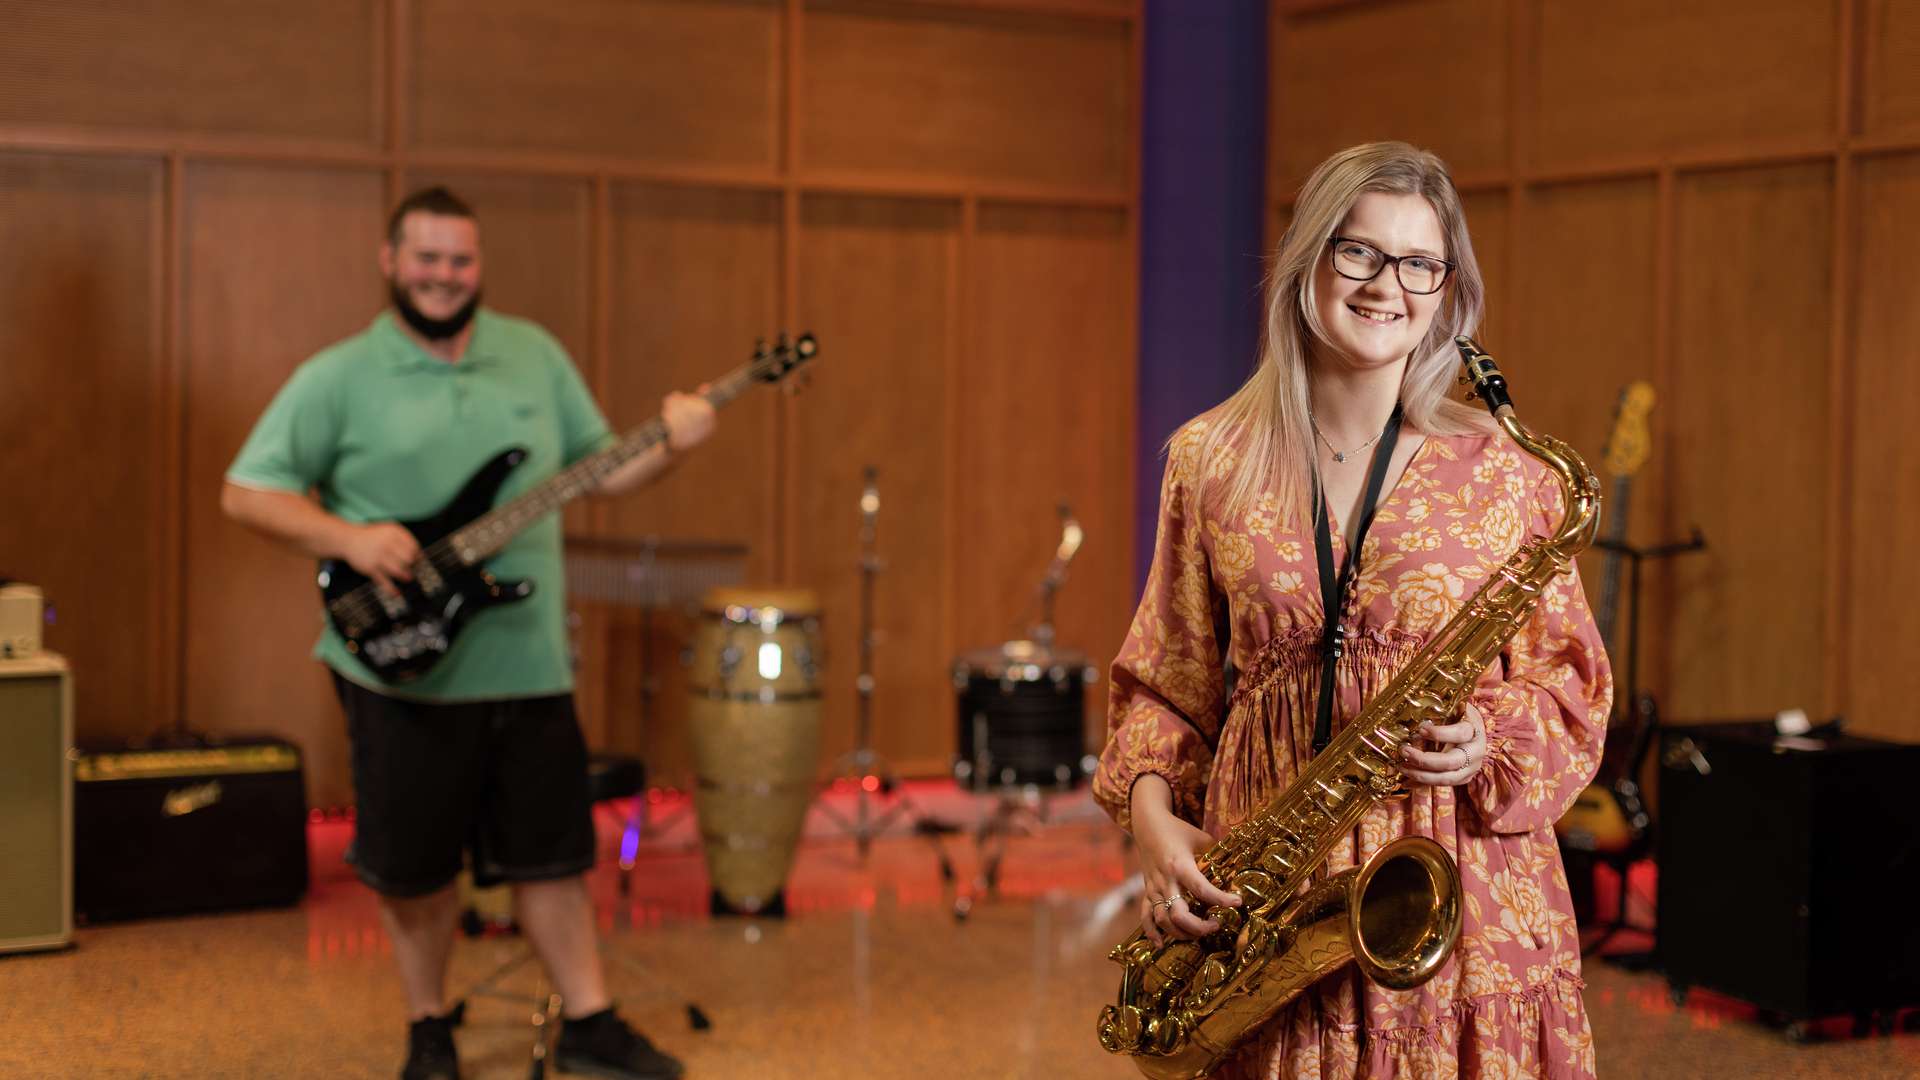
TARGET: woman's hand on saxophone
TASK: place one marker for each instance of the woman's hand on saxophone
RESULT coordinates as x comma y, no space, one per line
1173,879
1462,751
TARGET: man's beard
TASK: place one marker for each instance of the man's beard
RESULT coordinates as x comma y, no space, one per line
427,327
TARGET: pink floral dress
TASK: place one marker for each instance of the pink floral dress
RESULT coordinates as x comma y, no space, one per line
1508,1003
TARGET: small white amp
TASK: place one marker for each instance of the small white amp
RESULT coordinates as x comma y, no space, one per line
22,614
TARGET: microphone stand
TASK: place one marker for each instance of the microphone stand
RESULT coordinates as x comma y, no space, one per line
1070,537
990,835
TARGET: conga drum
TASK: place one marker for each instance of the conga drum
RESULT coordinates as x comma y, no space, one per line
755,720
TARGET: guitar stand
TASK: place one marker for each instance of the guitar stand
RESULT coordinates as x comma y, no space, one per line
1622,865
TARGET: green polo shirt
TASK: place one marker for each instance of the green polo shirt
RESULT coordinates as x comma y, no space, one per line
383,431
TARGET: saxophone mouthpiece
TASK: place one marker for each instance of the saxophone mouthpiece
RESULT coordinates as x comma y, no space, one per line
1483,375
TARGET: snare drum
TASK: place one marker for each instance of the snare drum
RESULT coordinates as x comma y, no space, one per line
1022,716
755,720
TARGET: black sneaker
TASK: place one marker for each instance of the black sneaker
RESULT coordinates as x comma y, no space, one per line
603,1045
430,1053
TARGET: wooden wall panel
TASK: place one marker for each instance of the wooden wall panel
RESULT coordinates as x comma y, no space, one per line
280,263
280,68
695,281
1745,442
1583,274
1648,77
1890,91
653,80
1715,196
1487,223
1449,100
878,282
1044,417
1885,512
988,95
658,181
83,495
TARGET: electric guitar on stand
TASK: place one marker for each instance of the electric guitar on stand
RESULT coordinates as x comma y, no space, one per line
400,637
1608,819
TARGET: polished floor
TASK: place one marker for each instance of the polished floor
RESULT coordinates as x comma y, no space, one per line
871,976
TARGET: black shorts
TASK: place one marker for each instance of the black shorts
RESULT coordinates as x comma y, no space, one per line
503,780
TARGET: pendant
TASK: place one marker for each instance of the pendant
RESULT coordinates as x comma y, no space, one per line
1339,457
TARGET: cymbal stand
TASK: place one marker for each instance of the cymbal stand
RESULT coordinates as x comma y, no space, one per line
873,777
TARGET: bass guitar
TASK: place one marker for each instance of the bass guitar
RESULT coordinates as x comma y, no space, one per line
400,637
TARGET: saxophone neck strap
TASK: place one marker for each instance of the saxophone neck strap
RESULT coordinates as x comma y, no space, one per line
1336,587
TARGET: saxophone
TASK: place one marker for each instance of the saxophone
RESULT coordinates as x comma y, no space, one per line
1184,1006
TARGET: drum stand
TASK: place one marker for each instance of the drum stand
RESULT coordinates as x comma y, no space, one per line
1016,809
871,774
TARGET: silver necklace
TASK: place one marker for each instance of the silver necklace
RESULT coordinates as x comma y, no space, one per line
1338,455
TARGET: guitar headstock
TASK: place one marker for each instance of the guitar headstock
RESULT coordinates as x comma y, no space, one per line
775,364
1630,443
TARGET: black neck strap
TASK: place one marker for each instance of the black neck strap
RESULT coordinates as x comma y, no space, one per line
1334,590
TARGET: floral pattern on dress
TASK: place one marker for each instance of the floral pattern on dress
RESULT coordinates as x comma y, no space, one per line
1508,1003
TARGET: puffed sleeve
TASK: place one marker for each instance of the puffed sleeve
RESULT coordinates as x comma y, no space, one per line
1167,685
1545,701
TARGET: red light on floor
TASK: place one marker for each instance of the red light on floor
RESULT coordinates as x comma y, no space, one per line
871,783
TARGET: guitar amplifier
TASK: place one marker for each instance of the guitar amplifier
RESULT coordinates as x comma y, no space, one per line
36,801
1788,869
206,826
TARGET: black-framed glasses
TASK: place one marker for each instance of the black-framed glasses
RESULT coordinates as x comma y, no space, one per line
1358,260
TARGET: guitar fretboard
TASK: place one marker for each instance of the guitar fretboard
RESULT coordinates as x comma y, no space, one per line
1609,613
490,532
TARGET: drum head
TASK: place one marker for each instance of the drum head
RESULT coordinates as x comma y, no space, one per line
1020,661
751,604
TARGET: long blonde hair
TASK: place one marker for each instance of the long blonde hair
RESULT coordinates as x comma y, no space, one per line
1264,426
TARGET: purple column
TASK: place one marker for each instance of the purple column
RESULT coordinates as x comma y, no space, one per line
1202,171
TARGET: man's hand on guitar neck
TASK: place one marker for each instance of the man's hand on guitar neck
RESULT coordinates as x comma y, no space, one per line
689,419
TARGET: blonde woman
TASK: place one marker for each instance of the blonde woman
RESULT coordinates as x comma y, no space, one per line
1343,440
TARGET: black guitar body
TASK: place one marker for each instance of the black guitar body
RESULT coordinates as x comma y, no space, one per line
399,638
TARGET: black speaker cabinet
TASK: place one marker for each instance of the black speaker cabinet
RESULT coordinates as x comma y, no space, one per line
208,826
1789,869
